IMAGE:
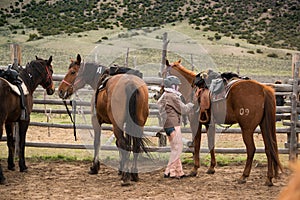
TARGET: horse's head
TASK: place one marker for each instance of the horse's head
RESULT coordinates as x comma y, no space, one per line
158,93
46,80
169,66
66,87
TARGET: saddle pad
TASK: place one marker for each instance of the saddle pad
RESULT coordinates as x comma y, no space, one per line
15,88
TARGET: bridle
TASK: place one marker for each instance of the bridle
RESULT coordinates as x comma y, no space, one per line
49,78
75,81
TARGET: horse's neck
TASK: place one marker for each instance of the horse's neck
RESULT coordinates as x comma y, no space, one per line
93,78
187,74
28,80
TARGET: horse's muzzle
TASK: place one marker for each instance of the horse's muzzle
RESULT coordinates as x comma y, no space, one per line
51,90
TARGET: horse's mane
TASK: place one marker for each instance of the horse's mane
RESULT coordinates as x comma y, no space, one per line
31,68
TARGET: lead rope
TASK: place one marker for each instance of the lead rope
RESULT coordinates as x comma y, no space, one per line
69,113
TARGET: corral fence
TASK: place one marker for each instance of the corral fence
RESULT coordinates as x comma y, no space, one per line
288,114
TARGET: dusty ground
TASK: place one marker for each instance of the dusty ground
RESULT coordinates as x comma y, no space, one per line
70,180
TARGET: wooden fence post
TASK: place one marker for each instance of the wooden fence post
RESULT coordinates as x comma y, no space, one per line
164,53
294,115
15,54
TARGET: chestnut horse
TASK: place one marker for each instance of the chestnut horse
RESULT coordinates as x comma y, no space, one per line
37,72
247,103
79,74
122,99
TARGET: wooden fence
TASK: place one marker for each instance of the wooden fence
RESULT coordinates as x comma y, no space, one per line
283,112
289,113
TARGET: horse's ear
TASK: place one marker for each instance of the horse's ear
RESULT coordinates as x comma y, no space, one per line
49,60
167,62
179,61
78,59
36,58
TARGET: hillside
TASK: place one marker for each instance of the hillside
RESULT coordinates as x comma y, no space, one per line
199,47
267,22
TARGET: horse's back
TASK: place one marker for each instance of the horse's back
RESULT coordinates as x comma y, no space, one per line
246,102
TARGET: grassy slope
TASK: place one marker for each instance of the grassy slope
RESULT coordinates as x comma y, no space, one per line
225,55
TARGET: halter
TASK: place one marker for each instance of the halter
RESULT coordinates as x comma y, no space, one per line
74,82
48,78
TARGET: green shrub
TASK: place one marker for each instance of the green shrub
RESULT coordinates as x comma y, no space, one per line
272,55
259,51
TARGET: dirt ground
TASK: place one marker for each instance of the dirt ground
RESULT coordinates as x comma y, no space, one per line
70,180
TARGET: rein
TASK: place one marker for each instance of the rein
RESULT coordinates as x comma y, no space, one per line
69,113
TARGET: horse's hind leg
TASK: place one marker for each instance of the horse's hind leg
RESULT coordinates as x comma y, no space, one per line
23,126
124,149
136,151
97,135
250,146
11,146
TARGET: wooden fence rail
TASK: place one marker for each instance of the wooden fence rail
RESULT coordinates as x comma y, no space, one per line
291,124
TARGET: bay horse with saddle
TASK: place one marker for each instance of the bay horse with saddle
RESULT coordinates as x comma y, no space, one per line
246,102
121,97
16,94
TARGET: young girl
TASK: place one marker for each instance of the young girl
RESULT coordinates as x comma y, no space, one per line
171,108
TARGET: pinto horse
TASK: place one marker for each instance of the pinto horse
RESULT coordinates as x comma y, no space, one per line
122,99
37,72
247,103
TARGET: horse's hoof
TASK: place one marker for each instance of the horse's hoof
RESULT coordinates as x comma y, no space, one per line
241,181
125,183
3,181
134,177
24,169
210,171
269,183
119,172
192,174
11,168
93,171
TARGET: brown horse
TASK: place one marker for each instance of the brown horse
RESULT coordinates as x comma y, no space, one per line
122,99
37,72
247,103
79,74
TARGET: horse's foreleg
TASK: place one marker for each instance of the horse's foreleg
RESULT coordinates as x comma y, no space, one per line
250,146
211,133
197,144
11,146
2,178
97,140
23,126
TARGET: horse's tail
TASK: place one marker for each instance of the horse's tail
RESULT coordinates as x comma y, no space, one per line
134,130
268,125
